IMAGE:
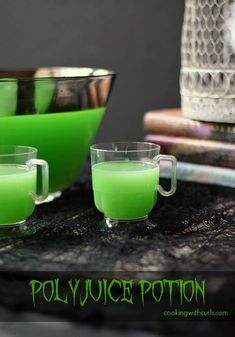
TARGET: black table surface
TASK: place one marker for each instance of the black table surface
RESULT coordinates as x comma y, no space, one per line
192,230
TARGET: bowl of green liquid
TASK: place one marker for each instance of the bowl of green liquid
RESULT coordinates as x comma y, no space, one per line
58,111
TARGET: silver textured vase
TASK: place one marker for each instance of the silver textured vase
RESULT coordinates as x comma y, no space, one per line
207,79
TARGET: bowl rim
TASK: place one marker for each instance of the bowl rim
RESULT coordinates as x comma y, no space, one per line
93,73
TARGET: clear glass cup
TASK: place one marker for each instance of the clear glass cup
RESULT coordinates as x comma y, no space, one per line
18,188
125,179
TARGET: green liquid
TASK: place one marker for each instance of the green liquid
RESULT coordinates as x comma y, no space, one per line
17,182
125,189
62,139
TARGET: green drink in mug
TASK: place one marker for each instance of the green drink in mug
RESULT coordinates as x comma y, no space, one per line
125,179
18,186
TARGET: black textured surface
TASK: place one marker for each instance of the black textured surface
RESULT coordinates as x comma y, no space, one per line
192,230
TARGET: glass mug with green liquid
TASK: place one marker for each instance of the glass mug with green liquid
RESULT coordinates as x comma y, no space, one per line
125,179
18,188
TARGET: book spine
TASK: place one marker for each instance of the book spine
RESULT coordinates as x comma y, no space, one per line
196,151
160,123
201,174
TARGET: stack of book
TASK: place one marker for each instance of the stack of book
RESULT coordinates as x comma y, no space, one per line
205,151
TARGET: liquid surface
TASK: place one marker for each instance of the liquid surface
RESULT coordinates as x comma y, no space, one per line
125,189
62,139
17,182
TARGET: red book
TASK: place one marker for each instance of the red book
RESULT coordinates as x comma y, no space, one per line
196,151
171,122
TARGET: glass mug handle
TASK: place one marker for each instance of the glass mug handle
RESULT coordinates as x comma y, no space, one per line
45,178
173,161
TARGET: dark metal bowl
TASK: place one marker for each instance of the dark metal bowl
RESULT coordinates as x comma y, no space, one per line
58,110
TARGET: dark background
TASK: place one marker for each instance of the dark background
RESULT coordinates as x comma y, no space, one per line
139,39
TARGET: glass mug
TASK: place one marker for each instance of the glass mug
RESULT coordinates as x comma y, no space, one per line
125,179
18,186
